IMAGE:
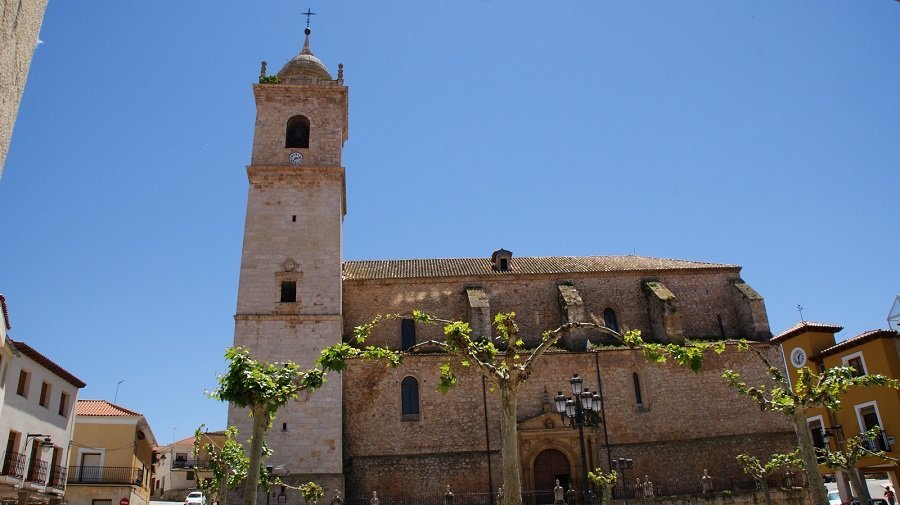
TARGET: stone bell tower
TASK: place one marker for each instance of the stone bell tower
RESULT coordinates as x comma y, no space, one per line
289,296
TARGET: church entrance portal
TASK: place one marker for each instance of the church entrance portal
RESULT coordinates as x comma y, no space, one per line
549,466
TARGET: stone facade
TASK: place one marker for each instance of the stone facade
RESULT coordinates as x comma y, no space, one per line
685,423
21,24
296,297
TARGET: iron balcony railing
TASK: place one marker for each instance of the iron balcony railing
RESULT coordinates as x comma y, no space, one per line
878,443
13,464
105,475
189,464
37,471
58,477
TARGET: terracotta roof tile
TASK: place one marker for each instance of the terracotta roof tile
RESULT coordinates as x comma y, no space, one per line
805,326
47,363
857,340
102,408
5,312
475,267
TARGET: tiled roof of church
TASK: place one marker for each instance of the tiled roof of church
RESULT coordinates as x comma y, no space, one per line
474,267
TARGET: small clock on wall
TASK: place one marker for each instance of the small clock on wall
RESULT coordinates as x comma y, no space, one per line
798,357
296,158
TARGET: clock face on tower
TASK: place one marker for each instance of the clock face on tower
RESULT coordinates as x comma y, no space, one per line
296,158
798,357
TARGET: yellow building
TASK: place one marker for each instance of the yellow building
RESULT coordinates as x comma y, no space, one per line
110,459
809,344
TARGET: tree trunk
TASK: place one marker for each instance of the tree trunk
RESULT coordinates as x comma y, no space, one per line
260,423
764,484
509,444
859,485
223,490
817,490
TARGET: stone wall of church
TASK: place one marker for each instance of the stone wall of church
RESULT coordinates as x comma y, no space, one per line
688,421
701,296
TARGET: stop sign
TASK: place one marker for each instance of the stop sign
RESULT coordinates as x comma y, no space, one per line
123,501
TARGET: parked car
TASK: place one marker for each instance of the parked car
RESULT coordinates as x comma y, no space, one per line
834,498
197,498
874,501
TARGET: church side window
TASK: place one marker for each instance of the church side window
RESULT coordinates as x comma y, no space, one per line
407,334
638,398
409,394
288,291
297,134
610,320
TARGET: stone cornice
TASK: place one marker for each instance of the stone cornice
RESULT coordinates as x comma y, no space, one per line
288,317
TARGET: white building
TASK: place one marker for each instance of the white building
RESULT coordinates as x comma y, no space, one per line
37,422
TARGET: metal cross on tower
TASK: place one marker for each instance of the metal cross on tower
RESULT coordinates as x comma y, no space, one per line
308,13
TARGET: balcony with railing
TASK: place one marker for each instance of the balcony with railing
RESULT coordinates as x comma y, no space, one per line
13,464
189,464
37,471
58,477
105,475
877,443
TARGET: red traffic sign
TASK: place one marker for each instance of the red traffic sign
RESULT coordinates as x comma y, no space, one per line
123,501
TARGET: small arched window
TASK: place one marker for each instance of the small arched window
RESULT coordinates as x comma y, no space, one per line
637,389
610,320
297,133
409,395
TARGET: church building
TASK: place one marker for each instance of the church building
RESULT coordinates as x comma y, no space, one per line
373,428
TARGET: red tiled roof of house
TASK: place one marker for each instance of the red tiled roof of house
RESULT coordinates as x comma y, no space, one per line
5,312
856,340
473,267
47,363
805,326
102,408
190,440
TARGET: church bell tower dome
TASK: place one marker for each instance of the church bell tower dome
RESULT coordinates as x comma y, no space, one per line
304,67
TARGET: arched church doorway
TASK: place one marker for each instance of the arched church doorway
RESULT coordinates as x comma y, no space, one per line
551,465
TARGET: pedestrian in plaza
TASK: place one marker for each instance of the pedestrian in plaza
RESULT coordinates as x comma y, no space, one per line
889,494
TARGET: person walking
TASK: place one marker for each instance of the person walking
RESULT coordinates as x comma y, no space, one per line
889,494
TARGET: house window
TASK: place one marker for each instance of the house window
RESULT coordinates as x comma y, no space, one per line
867,415
44,400
297,134
855,361
288,291
610,320
190,475
817,431
407,334
409,392
638,398
24,380
63,404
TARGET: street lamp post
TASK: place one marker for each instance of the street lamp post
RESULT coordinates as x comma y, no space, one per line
578,411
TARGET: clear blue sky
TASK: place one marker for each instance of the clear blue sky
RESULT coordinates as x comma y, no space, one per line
763,133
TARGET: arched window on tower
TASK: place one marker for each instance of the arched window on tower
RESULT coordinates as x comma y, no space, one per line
297,133
409,396
610,320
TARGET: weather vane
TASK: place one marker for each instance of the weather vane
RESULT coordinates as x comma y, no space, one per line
800,310
308,13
